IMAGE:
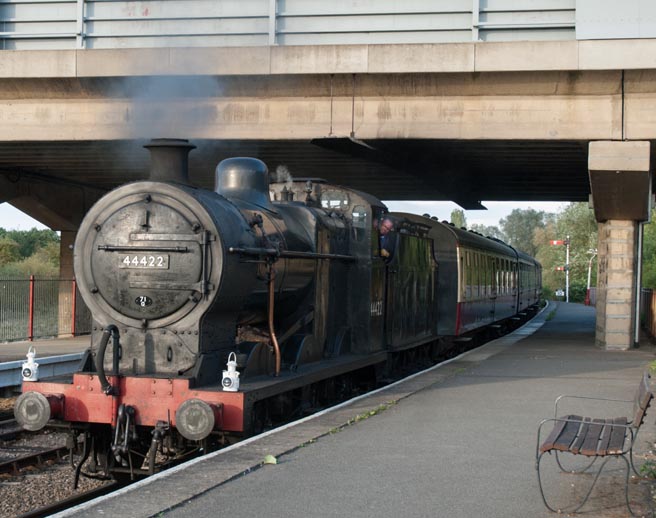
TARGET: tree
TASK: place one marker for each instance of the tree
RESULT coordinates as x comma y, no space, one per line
458,218
44,263
491,231
31,252
649,254
29,241
520,226
9,250
577,221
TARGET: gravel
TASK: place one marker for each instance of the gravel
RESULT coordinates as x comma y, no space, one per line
36,487
33,489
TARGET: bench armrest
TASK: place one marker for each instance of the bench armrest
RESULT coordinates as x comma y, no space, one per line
565,396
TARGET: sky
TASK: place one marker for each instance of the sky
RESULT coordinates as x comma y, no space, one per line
13,219
496,209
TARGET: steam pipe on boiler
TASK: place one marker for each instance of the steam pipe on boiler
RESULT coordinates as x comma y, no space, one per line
272,332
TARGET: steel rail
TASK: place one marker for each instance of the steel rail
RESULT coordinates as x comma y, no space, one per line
38,458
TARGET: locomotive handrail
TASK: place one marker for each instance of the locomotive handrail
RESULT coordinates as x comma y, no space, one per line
289,254
112,248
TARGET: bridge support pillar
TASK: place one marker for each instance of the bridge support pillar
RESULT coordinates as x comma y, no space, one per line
620,181
66,326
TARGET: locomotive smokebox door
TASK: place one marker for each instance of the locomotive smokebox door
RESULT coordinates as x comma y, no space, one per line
152,270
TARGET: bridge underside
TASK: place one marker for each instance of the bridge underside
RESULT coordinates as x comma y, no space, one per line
466,171
447,133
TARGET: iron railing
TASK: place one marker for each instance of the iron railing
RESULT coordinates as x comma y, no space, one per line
39,308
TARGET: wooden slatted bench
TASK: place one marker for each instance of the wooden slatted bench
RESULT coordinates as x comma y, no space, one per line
594,438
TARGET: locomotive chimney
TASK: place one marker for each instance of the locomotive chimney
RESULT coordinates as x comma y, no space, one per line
245,179
169,160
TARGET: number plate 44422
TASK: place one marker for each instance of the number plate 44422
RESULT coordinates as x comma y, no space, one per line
155,262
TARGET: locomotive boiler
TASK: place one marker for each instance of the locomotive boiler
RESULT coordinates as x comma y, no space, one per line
284,283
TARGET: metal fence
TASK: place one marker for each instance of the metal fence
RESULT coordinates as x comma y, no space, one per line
37,308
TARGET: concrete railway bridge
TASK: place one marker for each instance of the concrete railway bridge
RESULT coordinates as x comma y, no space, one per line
427,100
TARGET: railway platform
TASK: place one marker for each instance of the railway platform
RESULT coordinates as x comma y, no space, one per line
437,444
14,351
54,356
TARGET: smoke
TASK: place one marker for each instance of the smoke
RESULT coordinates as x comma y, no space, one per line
150,107
282,175
171,106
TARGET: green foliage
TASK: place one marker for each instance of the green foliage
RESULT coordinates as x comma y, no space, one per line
548,293
491,231
32,252
577,292
458,218
649,254
577,221
9,251
29,241
648,469
520,227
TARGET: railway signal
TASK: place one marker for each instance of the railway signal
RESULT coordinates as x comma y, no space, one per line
561,242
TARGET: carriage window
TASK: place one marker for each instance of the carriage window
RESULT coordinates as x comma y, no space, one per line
359,222
359,215
477,276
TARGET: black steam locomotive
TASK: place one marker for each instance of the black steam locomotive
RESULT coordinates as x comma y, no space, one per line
218,312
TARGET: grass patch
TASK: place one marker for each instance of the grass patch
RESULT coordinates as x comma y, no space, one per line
364,415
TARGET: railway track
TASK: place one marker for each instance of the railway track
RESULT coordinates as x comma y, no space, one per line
37,458
72,501
9,429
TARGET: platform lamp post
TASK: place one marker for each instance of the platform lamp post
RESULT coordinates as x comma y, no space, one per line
593,252
558,242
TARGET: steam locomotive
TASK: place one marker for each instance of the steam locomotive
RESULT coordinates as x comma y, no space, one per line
216,313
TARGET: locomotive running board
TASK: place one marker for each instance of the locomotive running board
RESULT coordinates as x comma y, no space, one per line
263,387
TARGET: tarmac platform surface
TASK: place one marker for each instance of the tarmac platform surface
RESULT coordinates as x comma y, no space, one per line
13,351
455,441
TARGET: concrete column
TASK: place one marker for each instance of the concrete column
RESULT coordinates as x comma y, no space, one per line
66,276
616,284
620,181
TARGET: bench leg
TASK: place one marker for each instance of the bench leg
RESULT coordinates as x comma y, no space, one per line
633,465
629,466
594,482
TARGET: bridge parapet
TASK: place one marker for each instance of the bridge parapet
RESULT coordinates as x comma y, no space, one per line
67,24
